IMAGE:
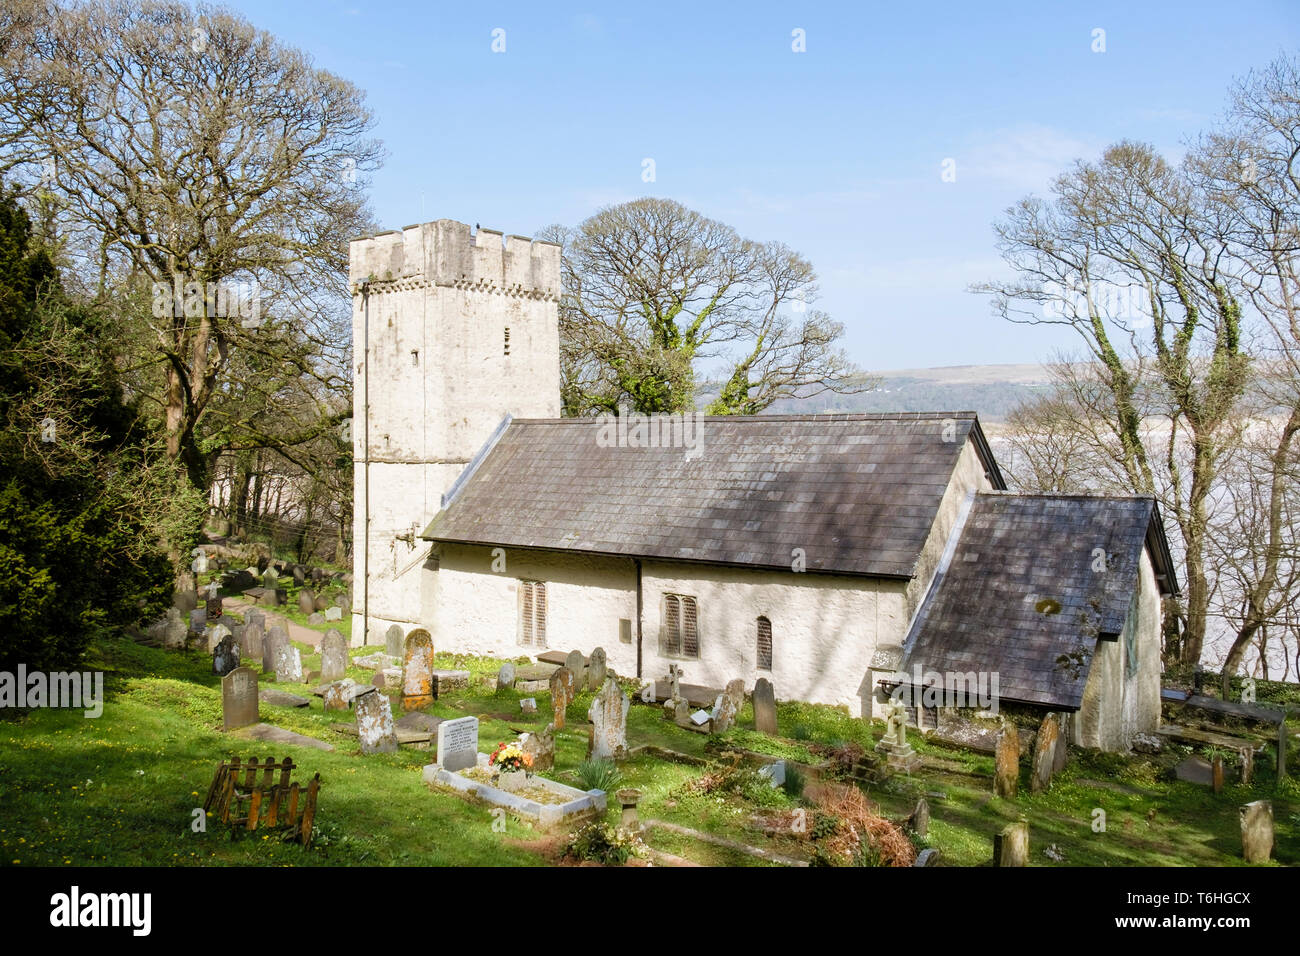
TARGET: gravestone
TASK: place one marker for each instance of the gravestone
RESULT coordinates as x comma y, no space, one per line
315,619
271,580
724,712
1006,762
577,664
299,577
764,707
288,662
375,727
1216,773
542,747
1011,846
919,821
320,603
899,754
250,643
394,641
528,705
1247,757
174,629
198,618
597,669
1257,831
458,743
333,613
1194,769
333,656
1045,754
506,676
239,698
212,606
226,656
736,691
608,716
214,635
417,676
338,695
1062,751
185,601
270,647
561,694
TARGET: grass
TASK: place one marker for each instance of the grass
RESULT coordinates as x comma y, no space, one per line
123,789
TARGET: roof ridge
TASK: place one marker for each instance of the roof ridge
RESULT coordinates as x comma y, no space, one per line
803,417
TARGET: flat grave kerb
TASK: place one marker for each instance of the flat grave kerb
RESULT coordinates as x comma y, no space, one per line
580,805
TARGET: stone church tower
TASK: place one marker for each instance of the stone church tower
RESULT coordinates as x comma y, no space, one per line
460,329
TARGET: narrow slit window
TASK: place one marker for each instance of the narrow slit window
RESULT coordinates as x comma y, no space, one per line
764,651
507,341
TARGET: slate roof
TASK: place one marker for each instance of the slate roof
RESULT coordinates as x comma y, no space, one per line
858,493
1020,594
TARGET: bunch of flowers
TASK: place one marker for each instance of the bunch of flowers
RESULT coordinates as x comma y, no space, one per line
510,757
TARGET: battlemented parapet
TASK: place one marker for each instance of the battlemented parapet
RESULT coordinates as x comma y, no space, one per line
452,331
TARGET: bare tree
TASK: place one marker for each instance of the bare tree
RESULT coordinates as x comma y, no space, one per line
657,296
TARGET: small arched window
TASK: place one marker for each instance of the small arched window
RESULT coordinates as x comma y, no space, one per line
764,654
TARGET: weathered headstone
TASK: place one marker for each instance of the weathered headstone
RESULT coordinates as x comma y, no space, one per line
736,691
394,641
333,656
597,669
1006,763
320,603
299,576
542,747
333,614
417,676
375,727
528,705
250,643
1257,831
724,713
919,821
1045,754
271,579
1216,773
899,754
225,658
174,629
577,663
288,662
608,716
764,707
185,601
561,694
1247,756
198,618
215,634
315,619
239,698
1011,846
506,676
337,696
271,644
212,606
1062,751
458,743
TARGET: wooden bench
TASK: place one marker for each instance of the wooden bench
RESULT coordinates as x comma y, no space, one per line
265,802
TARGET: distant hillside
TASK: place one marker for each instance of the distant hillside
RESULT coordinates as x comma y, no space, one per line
990,390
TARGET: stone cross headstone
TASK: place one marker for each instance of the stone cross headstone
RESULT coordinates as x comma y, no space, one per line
225,658
608,716
1006,761
333,656
561,694
394,641
1011,846
506,676
577,663
375,727
417,676
458,743
1257,831
764,707
597,669
239,698
1049,735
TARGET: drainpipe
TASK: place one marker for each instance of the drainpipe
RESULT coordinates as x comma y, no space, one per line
365,431
638,617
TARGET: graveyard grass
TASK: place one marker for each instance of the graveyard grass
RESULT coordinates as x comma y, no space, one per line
122,789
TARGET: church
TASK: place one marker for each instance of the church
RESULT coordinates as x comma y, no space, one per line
843,557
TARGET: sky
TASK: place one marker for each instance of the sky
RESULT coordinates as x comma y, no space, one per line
838,150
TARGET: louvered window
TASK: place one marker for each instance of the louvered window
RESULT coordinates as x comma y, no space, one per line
764,651
532,613
681,631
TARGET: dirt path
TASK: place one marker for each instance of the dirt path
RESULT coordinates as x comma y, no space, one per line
296,631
